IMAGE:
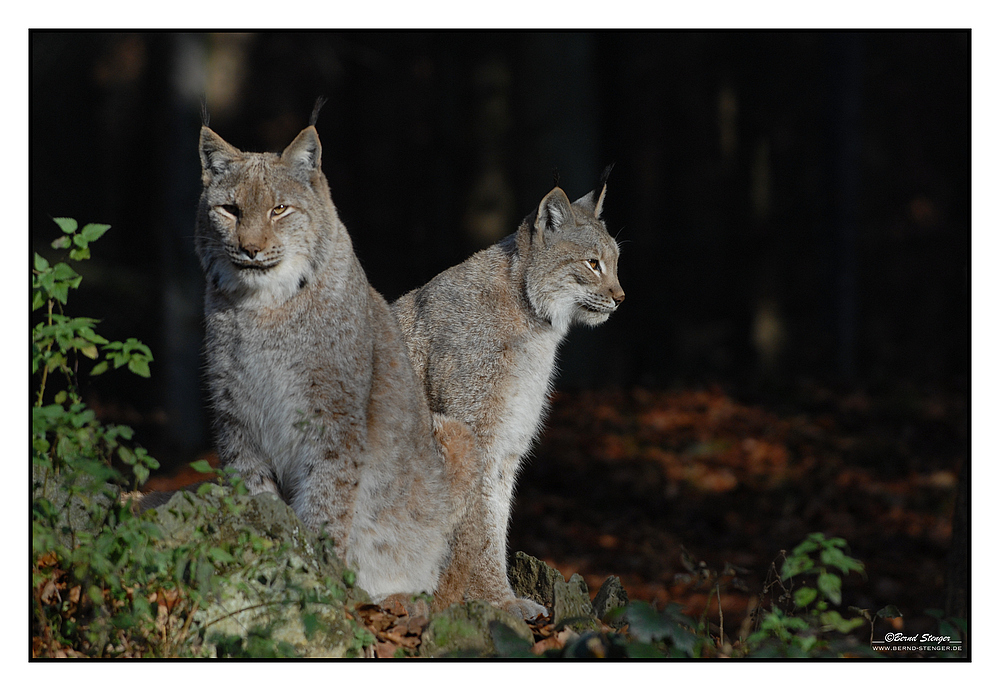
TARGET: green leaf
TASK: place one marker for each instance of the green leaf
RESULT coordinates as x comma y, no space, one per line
96,594
829,585
832,556
128,458
68,225
219,554
201,466
41,263
92,231
64,272
61,242
795,565
99,368
141,473
138,365
832,621
808,545
79,255
803,596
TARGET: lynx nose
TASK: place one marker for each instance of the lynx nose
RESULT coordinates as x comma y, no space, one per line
618,295
250,250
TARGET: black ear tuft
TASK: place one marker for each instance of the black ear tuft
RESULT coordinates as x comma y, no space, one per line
204,113
320,102
555,177
604,175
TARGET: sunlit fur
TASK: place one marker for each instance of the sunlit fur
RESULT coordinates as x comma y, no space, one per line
312,393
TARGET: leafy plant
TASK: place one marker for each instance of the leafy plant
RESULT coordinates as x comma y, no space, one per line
804,594
85,543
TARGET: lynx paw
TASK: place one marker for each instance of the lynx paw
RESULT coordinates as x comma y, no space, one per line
526,609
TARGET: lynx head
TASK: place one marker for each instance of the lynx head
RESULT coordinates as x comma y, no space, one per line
572,273
265,220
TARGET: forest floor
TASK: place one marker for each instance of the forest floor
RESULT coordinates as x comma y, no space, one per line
657,486
645,485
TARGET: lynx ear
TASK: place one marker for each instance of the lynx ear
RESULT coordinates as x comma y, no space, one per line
216,155
303,154
553,212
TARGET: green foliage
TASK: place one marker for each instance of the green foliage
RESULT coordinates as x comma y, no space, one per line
674,630
59,341
805,591
102,584
85,542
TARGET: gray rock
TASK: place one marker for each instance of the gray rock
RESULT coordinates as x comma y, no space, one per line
611,596
533,579
571,605
465,630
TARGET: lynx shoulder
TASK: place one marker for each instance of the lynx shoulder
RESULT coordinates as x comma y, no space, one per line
311,389
483,337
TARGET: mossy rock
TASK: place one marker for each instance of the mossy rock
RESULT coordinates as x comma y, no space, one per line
273,587
533,579
470,630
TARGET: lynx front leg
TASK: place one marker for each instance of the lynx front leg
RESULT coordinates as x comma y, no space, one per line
326,498
238,452
492,582
464,473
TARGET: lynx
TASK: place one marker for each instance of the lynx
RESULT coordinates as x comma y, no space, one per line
311,388
483,337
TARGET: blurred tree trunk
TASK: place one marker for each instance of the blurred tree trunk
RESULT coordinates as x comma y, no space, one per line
846,74
182,288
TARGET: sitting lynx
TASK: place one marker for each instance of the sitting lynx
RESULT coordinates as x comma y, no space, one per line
483,337
313,394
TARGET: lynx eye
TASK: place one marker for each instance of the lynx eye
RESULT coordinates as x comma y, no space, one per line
278,210
230,210
595,264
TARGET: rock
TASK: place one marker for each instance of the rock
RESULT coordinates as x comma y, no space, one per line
533,579
466,630
272,587
610,597
570,602
571,605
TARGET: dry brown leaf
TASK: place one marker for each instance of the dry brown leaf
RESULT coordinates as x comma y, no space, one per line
384,649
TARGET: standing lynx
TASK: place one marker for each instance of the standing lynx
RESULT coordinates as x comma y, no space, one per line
483,337
313,394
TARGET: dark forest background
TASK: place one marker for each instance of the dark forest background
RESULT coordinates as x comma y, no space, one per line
792,205
794,209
